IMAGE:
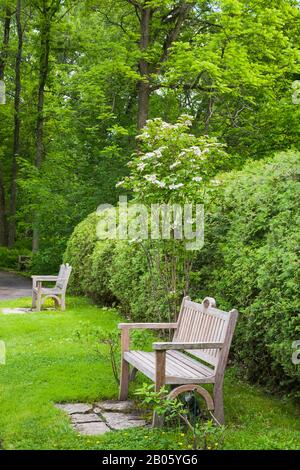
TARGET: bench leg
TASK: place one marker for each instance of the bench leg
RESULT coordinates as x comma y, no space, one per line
56,303
133,373
160,374
63,303
124,381
33,306
157,421
39,302
219,403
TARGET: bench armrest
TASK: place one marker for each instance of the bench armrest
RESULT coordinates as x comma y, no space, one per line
44,278
150,326
40,279
178,346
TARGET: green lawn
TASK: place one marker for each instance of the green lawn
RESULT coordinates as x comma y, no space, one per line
46,363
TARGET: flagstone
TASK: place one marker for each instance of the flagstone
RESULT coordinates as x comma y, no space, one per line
92,429
85,418
113,405
73,408
96,420
122,421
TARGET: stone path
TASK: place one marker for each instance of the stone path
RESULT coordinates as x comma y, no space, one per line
102,417
13,286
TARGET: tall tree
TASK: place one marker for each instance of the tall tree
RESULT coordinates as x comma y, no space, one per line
17,123
47,10
159,20
3,59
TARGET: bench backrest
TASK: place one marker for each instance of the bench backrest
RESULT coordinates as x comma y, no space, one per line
63,276
205,323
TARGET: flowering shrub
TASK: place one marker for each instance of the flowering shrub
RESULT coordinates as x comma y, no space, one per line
173,165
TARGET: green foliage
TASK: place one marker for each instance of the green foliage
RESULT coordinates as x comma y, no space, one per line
97,281
79,252
108,343
90,259
9,257
237,72
250,261
49,258
138,283
172,164
152,274
232,67
203,435
160,402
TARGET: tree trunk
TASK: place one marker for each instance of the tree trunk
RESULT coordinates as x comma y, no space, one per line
43,74
6,31
3,57
16,143
49,10
3,225
144,84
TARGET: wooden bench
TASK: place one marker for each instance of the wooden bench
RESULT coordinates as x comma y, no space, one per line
58,292
197,355
23,262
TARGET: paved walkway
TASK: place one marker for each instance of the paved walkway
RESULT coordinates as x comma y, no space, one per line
13,286
102,417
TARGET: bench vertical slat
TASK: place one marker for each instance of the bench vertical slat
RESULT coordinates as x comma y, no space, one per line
124,379
201,323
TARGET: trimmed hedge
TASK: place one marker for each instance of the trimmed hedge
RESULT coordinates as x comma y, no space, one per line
90,259
250,261
140,293
98,279
79,253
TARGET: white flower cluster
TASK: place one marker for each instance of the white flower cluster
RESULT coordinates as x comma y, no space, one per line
175,164
166,125
141,166
196,150
215,182
187,120
153,179
155,154
176,186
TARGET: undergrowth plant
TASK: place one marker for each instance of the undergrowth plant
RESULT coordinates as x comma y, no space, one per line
205,435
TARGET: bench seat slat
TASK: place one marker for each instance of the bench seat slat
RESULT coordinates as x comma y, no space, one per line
198,366
48,290
136,360
180,368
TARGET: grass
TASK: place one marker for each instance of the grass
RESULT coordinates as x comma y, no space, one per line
46,363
